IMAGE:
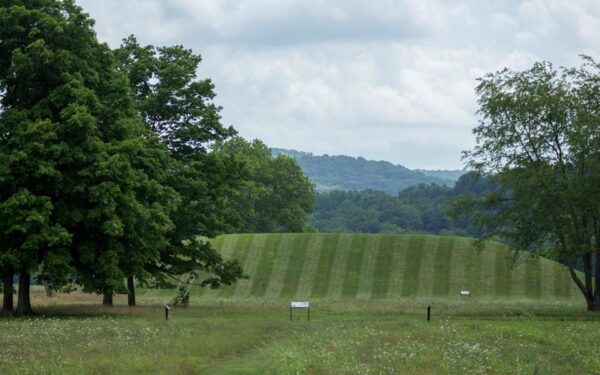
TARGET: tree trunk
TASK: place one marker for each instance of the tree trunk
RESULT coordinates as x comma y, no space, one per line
593,306
49,290
107,299
130,291
24,300
8,303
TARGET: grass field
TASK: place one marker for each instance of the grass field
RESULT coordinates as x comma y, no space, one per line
342,338
372,267
369,296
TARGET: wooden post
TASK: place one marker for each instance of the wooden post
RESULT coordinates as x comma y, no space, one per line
167,308
291,313
429,313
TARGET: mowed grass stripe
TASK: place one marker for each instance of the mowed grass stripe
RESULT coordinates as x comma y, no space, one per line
487,270
533,277
364,266
400,248
368,267
338,245
293,270
310,275
547,282
441,266
268,257
253,253
562,281
226,245
412,266
425,283
282,257
354,265
502,267
237,246
221,244
518,276
461,248
383,267
327,253
470,261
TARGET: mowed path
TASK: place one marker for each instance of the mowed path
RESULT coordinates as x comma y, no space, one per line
385,266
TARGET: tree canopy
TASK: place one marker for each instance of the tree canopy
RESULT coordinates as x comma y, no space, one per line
275,196
420,208
179,108
539,139
97,167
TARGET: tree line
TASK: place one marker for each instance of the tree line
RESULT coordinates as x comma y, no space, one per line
422,208
114,164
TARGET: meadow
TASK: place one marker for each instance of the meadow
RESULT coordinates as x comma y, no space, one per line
368,316
385,267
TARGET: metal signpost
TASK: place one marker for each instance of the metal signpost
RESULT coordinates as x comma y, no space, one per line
299,305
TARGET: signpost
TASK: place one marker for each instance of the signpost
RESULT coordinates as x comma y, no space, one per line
299,305
465,293
167,308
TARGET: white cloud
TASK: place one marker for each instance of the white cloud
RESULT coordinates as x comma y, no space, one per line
538,13
384,79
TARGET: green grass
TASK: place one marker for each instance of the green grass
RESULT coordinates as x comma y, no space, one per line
386,267
369,295
256,337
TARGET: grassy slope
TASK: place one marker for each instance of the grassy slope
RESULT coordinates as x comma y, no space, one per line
359,325
385,267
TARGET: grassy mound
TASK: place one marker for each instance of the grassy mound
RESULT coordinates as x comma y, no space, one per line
385,267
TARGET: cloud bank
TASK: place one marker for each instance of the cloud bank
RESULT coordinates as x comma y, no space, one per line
383,79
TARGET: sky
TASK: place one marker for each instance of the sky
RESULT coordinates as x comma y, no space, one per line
382,79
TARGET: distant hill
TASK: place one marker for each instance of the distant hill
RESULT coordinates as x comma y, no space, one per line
348,173
450,175
333,266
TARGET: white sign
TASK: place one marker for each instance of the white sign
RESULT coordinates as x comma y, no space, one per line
465,293
300,304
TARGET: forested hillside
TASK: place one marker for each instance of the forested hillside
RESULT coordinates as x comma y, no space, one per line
342,172
420,208
450,175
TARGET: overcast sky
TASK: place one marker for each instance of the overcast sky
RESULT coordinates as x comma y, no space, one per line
386,80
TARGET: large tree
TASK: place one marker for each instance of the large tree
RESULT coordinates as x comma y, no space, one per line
179,108
539,140
276,195
80,167
36,78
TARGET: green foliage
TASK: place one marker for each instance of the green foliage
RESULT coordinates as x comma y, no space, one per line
177,105
347,173
421,208
276,196
540,139
180,110
79,165
444,174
